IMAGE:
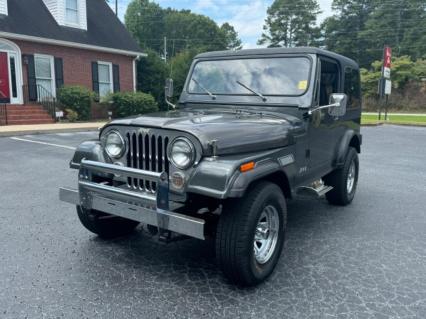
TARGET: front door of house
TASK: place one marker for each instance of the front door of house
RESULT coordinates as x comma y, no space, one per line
4,78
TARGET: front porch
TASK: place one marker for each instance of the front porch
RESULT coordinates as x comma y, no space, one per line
25,102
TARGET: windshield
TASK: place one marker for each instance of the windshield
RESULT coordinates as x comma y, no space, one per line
265,76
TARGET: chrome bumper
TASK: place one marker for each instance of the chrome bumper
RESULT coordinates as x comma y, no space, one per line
151,209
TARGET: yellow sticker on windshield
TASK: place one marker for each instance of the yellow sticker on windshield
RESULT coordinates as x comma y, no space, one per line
303,85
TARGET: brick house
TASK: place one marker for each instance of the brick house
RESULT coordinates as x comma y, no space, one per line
45,44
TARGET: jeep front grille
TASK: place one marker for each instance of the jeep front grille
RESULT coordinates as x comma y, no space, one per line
147,151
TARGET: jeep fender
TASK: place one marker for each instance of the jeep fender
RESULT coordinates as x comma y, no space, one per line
350,138
221,178
89,150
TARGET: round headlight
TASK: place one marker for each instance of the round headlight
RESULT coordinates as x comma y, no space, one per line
114,144
182,153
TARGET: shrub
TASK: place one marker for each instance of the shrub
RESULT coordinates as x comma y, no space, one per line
132,103
76,98
71,115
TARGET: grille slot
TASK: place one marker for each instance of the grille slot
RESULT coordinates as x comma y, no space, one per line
147,151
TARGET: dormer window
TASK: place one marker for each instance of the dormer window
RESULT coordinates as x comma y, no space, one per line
3,7
71,12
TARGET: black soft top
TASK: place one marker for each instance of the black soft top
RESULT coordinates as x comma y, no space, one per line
268,51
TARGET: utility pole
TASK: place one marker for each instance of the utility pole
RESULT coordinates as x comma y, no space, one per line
116,8
165,49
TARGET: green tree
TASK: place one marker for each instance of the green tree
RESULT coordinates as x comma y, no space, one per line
360,29
145,21
231,37
400,24
180,65
187,30
152,71
183,29
404,71
342,31
290,24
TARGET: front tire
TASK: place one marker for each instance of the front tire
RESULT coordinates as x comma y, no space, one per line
104,225
250,235
344,180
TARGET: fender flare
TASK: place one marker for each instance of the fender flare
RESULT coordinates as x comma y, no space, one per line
269,168
343,145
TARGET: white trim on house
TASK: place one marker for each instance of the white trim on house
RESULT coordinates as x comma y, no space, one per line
111,77
70,44
15,52
3,7
52,71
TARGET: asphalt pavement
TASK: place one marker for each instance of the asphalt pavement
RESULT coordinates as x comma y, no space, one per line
367,260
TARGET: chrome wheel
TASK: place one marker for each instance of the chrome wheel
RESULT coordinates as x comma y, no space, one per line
266,234
350,183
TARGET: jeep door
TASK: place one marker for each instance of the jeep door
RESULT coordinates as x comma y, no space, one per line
323,130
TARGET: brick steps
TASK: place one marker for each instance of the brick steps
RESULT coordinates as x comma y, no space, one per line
30,113
28,117
27,114
30,122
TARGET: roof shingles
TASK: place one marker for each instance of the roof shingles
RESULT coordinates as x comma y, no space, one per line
32,18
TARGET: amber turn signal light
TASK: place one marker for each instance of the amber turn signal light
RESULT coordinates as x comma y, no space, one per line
247,167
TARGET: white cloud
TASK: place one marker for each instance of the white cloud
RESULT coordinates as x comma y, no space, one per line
205,4
325,8
248,20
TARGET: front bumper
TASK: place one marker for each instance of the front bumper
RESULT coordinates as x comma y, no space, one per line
148,208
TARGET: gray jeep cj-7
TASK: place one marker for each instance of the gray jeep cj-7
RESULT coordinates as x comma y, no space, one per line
252,130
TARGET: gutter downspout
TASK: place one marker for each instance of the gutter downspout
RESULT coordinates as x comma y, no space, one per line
135,71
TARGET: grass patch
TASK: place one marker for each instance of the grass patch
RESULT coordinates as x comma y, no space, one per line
394,119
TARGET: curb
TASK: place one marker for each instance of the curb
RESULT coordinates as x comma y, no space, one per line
393,124
53,131
373,124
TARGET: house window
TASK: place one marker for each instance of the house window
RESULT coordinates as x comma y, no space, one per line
71,12
44,72
105,78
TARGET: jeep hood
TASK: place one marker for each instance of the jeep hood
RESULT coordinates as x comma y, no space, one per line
234,132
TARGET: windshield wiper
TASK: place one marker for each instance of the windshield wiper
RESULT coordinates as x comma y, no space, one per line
204,89
264,99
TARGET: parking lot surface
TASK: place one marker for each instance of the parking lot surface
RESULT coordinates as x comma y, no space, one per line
367,260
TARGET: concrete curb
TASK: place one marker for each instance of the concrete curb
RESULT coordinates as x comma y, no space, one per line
373,124
19,130
38,132
393,124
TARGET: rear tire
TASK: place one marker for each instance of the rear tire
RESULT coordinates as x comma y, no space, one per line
248,242
104,225
344,180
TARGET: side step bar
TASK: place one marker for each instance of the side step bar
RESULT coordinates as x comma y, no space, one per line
315,190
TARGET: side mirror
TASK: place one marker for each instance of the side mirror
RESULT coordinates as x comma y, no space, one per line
169,88
338,104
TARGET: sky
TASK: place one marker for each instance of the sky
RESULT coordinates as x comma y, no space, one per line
247,16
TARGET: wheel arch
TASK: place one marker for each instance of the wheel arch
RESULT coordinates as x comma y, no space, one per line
279,178
355,142
349,139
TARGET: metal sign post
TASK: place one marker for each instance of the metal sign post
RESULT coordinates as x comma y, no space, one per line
385,83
